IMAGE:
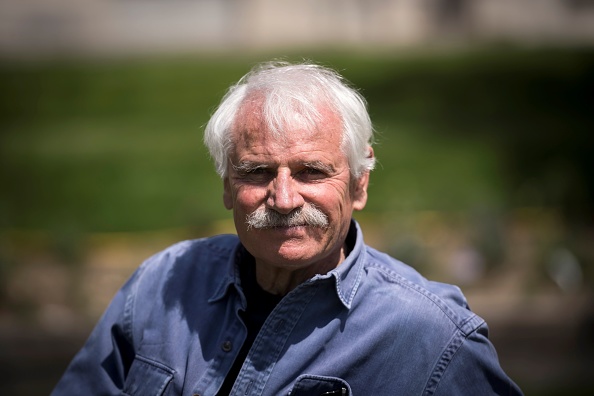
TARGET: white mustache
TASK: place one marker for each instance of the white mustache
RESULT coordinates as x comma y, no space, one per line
307,215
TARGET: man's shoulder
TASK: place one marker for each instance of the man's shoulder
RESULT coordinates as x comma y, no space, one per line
185,265
416,293
192,255
219,245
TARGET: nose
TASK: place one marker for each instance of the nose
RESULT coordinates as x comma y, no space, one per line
284,194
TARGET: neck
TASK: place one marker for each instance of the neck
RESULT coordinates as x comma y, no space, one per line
281,280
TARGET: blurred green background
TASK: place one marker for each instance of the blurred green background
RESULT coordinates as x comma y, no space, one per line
116,145
485,179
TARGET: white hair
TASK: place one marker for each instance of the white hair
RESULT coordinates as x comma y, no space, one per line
293,91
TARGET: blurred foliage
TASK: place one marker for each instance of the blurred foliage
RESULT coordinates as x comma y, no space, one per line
115,145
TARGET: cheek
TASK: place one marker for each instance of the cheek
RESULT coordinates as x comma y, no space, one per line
248,197
330,200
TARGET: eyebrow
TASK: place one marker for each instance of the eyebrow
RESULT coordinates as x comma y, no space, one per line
248,166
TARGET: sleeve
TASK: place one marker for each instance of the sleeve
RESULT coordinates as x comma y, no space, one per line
101,366
471,367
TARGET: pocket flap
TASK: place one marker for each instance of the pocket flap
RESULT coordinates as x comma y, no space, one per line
320,385
147,378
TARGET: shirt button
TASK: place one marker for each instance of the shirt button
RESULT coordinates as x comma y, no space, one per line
226,346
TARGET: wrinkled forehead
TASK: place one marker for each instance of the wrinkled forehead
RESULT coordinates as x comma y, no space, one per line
269,117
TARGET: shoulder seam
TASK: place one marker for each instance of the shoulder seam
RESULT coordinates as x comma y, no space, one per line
460,324
443,362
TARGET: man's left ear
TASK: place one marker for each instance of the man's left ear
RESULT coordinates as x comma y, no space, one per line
360,190
360,193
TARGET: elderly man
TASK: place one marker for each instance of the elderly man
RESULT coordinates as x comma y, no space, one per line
296,303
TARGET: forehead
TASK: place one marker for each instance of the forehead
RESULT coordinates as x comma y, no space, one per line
254,125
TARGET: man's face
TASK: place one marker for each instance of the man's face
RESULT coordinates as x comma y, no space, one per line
283,175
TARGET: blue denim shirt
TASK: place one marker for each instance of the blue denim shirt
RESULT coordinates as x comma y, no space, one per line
372,326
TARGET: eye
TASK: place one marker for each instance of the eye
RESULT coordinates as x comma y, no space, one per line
256,175
312,173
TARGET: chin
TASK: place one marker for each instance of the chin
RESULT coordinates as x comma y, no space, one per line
294,253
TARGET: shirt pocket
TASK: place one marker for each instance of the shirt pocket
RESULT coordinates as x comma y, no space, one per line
313,385
147,378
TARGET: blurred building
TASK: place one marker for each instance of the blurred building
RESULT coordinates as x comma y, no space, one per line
34,27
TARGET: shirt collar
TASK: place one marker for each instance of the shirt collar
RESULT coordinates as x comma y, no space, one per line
347,275
231,275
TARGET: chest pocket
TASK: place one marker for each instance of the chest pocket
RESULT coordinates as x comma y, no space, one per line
147,378
314,385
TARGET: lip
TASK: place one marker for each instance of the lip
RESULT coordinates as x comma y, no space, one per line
290,231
